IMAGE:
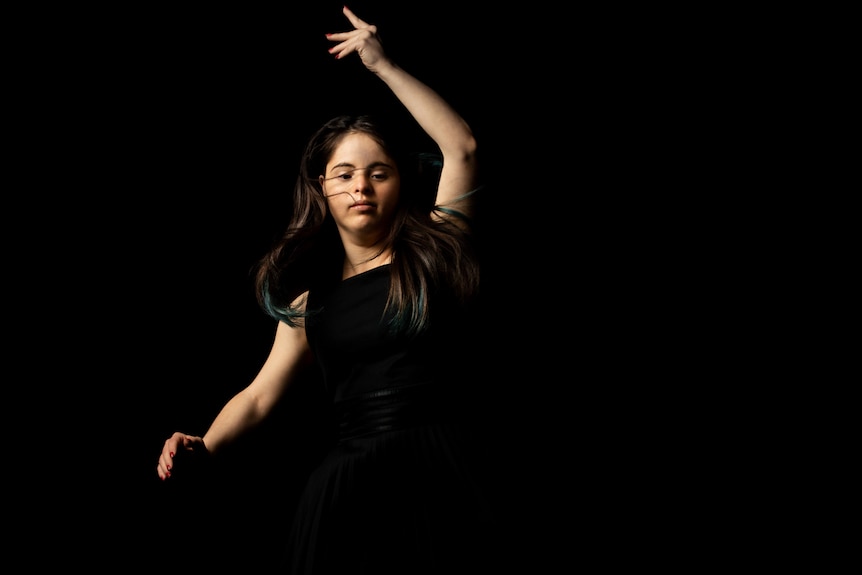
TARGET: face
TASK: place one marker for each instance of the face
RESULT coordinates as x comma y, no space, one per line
361,185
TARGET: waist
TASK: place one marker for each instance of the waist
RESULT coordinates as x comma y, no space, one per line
392,409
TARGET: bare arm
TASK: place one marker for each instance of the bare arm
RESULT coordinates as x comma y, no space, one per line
433,114
289,354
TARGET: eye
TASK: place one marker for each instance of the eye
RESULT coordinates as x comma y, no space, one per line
379,176
347,176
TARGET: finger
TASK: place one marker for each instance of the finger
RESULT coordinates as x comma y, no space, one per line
340,36
354,19
166,458
340,50
165,466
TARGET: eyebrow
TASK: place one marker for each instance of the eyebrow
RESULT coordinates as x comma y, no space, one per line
370,166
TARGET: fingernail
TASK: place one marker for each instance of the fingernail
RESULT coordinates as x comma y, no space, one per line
171,453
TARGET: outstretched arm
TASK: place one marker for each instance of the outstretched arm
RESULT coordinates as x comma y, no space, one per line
433,114
249,407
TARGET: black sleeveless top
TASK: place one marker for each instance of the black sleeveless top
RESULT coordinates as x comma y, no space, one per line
356,351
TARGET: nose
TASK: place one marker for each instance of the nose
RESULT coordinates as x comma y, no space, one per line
361,180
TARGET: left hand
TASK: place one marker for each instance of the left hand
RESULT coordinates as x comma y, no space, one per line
362,40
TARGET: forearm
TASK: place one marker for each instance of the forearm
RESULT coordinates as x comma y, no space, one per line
239,415
433,114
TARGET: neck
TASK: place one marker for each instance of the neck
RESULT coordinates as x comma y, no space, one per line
363,260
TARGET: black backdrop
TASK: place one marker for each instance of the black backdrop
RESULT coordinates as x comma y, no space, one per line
184,132
166,145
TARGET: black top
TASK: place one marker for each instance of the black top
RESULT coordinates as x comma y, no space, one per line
357,352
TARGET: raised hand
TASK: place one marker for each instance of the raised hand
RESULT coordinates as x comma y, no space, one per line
363,39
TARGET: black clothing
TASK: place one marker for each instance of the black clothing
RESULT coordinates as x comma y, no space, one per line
403,489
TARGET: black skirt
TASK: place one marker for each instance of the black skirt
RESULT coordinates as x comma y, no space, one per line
404,490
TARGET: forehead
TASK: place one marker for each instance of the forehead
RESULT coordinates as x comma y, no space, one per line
357,149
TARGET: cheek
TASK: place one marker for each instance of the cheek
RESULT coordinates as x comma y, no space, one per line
389,195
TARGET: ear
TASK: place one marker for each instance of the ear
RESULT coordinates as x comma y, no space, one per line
321,181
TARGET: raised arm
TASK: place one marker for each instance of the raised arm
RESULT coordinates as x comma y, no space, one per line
434,115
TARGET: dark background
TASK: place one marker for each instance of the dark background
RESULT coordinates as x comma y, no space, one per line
178,136
166,146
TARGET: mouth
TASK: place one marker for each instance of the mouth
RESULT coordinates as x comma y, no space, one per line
362,206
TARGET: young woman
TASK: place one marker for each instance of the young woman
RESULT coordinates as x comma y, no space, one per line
375,282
